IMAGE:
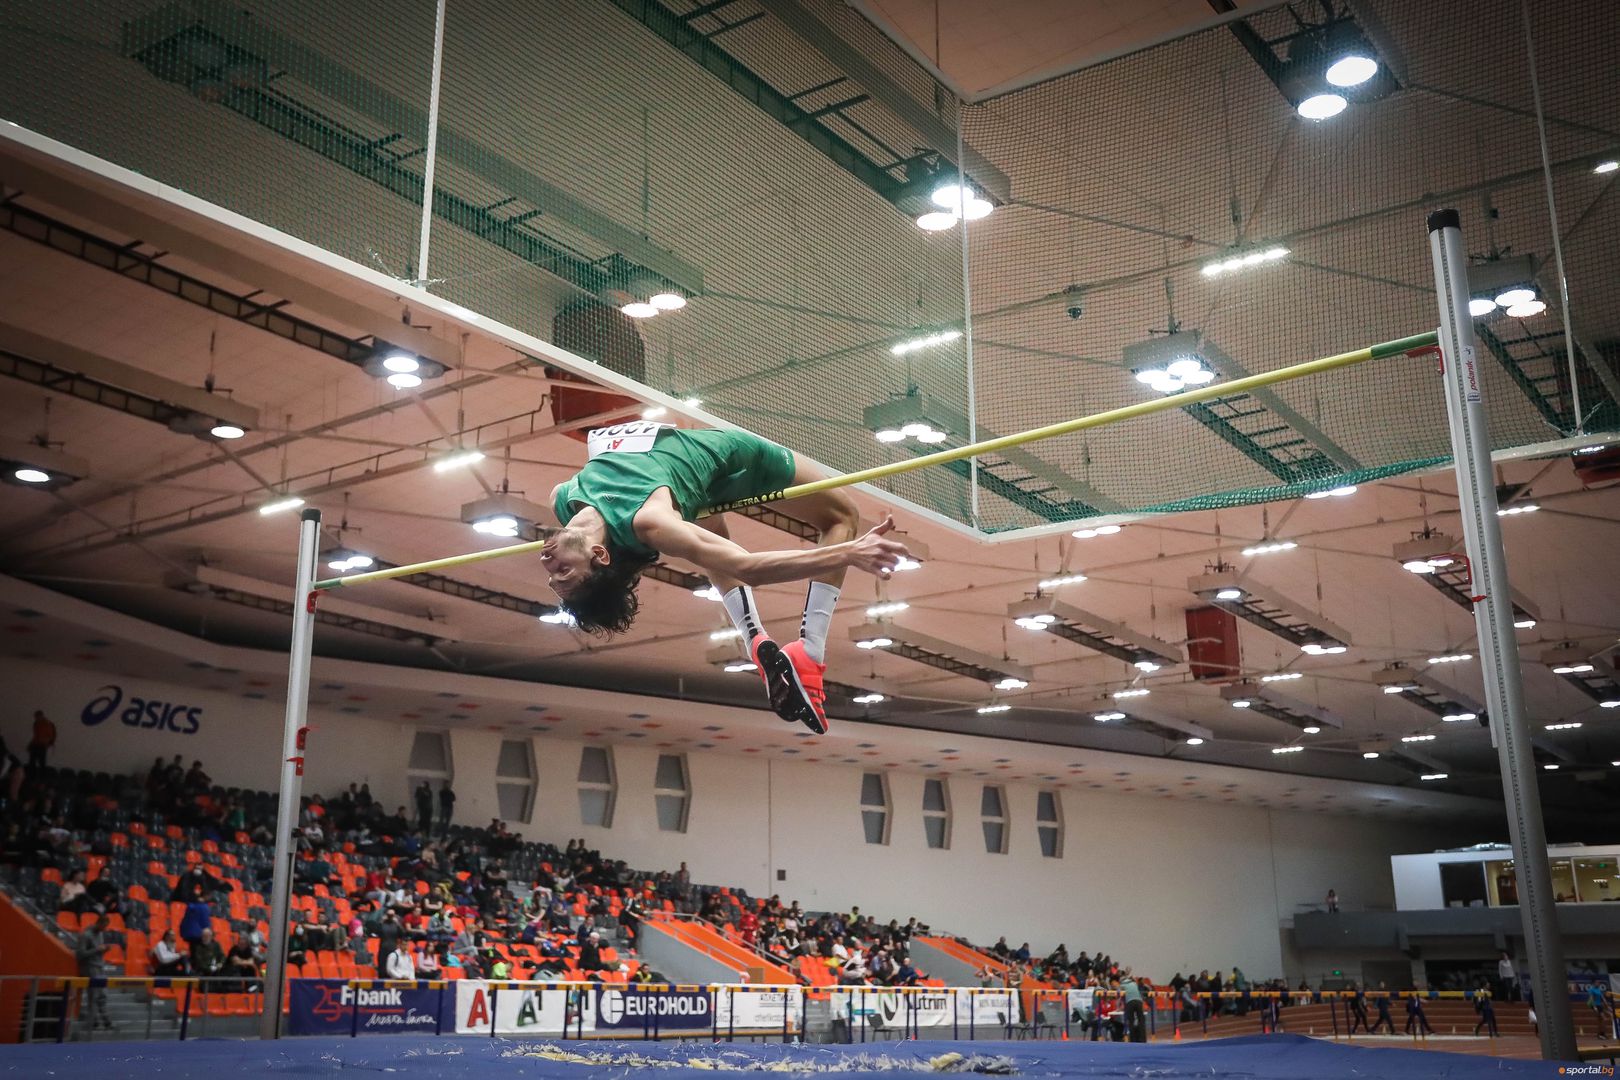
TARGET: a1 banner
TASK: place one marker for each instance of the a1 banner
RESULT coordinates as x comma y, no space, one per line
529,1011
328,1007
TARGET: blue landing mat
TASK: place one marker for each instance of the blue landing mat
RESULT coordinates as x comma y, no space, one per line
1276,1057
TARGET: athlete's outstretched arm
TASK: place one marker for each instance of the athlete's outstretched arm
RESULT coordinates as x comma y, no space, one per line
670,534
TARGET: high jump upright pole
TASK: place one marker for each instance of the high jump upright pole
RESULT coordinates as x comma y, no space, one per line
290,793
1498,648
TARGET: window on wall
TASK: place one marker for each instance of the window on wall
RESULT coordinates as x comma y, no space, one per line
1049,824
514,780
671,792
993,816
429,760
875,807
936,814
598,786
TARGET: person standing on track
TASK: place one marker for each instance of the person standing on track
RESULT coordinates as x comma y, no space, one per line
640,495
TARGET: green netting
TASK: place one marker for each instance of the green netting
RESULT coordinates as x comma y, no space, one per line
767,166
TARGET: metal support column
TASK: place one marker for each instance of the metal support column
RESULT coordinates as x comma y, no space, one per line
292,767
1498,649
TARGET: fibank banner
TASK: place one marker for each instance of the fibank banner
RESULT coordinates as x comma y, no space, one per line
544,1010
327,1007
134,711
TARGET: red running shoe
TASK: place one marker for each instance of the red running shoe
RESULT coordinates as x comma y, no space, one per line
789,698
810,674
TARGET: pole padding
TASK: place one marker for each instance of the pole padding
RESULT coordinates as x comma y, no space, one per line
1399,347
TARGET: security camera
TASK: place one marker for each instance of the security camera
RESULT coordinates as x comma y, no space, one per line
1075,310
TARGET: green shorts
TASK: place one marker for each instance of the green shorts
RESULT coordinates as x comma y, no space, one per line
749,466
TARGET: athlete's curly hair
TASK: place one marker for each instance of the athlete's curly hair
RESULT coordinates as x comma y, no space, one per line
604,602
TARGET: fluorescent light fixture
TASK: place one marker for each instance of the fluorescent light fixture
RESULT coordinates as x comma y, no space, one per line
1452,718
1316,648
1311,729
639,309
890,608
1433,776
1454,658
986,709
1369,754
1602,168
1524,624
1229,593
1267,549
401,363
1335,492
1258,257
404,380
1520,508
1283,676
875,643
927,341
1105,717
740,665
1011,683
1140,691
1242,703
291,502
667,301
936,221
1100,530
708,592
1481,306
1195,741
457,459
1572,669
870,698
906,563
1351,70
1286,749
729,633
1396,689
1417,738
29,475
558,618
1568,726
1321,106
1059,582
226,431
1550,767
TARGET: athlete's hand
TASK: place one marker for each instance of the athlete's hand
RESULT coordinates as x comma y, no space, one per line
875,552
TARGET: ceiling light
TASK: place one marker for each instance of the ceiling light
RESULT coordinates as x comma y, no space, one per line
457,459
914,429
874,643
404,380
1240,262
1370,754
1550,767
1433,776
1396,689
1321,106
226,431
1608,166
1527,309
1417,738
1166,384
907,563
1419,566
1451,718
1036,622
1267,549
1011,683
931,437
1454,658
708,592
1569,726
401,363
639,309
1104,717
1195,741
1184,367
1140,691
691,402
1609,704
1058,582
653,412
1282,676
1352,70
1524,624
1519,508
1229,594
890,435
871,698
1571,669
497,525
729,633
291,502
976,209
29,475
1480,306
936,221
740,665
558,618
345,561
1311,729
1100,530
1519,294
948,196
1316,648
985,709
1148,666
926,341
877,610
1242,703
1286,749
667,301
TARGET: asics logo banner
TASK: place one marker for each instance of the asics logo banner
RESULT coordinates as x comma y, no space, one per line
148,713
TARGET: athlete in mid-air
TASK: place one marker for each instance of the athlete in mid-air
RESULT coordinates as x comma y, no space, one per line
639,496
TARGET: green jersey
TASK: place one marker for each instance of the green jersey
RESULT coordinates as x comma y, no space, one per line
630,461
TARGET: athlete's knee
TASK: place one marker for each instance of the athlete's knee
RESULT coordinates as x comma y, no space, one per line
841,514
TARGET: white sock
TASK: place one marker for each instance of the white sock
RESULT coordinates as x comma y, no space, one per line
818,612
744,613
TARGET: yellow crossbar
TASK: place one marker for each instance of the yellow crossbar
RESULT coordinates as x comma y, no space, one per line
1399,347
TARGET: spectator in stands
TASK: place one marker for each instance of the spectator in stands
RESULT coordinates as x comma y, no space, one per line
1000,949
496,965
197,782
241,963
590,955
166,957
1021,954
88,950
207,958
905,974
1332,902
388,931
194,924
40,741
73,896
447,807
424,807
398,964
298,943
1507,977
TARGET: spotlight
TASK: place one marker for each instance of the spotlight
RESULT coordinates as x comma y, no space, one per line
868,698
948,196
1100,530
936,221
1609,704
1370,754
1243,262
875,643
226,431
915,430
931,437
1146,666
986,709
1519,294
1195,741
499,525
401,363
1316,648
1242,703
32,476
1229,594
1527,308
1104,717
708,592
667,301
1454,658
1572,669
404,380
653,412
890,435
1480,306
291,502
345,561
1433,776
457,459
1311,729
402,368
1011,683
1550,767
639,309
1604,167
558,618
1352,70
1321,106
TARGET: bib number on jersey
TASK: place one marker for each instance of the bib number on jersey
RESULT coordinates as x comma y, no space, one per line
632,437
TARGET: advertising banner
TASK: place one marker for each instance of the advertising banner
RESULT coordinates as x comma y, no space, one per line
885,1009
754,1008
327,1007
625,1011
529,1011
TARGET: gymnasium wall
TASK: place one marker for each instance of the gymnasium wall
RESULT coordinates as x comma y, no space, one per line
1164,884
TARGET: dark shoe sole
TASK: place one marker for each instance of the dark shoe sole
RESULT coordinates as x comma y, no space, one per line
788,699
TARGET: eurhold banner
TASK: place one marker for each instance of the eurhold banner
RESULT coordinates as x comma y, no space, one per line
327,1007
